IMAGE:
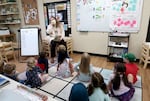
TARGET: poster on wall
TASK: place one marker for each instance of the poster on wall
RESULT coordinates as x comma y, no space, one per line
30,12
126,15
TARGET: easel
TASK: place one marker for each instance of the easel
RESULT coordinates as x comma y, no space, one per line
29,43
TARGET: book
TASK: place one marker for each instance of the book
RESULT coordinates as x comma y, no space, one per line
3,81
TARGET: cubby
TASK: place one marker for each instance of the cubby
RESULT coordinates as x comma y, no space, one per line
9,12
118,44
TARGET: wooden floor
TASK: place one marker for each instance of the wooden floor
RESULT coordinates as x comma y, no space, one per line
102,62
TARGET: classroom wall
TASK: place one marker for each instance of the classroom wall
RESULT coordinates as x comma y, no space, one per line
96,42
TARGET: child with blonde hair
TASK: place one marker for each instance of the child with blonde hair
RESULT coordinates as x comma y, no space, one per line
84,68
34,74
64,68
97,89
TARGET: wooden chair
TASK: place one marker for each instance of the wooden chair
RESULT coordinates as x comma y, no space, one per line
8,51
68,41
1,58
46,47
145,54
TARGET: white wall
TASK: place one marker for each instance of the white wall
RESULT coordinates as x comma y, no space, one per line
96,42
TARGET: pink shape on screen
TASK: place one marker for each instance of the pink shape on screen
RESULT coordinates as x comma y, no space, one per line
119,19
121,22
115,22
128,22
118,24
132,25
122,10
134,22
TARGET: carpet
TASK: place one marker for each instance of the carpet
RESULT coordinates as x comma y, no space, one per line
59,88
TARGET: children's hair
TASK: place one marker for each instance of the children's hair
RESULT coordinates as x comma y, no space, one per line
97,81
1,66
31,62
42,54
119,70
61,48
78,93
62,56
9,68
85,63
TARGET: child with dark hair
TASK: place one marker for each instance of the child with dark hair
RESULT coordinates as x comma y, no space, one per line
97,89
10,71
64,68
119,85
78,93
42,62
131,67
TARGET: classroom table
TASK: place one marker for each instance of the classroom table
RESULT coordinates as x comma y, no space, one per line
13,86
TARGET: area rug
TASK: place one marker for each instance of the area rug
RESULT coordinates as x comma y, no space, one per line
59,88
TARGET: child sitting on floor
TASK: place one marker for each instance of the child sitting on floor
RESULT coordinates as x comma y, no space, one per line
97,89
64,68
34,74
42,62
78,93
9,70
119,85
84,68
131,67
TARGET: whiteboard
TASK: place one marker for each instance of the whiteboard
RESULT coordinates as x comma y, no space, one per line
109,15
29,41
93,15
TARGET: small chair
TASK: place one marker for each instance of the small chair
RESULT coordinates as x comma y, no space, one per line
68,41
8,51
145,54
46,47
1,58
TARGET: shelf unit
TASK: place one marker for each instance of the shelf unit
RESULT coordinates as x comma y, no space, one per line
9,13
8,38
118,44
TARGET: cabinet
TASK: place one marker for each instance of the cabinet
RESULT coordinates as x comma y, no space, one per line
9,12
118,44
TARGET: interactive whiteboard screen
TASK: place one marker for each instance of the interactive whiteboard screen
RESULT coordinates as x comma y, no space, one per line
109,15
126,15
93,15
29,41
